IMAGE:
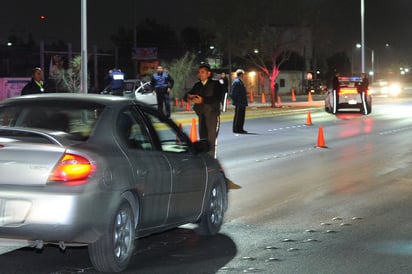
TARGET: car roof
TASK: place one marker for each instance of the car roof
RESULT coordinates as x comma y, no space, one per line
106,100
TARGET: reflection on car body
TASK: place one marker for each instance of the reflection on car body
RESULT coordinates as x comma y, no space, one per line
111,171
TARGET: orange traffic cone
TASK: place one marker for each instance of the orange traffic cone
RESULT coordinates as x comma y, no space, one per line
263,98
321,139
176,102
279,101
182,103
193,131
308,119
251,97
178,141
310,97
293,95
187,106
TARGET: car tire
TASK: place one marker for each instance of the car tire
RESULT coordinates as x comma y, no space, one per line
112,252
212,218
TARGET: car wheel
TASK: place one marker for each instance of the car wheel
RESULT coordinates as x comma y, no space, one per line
112,252
212,217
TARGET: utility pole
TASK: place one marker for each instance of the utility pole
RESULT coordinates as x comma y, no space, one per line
83,77
363,34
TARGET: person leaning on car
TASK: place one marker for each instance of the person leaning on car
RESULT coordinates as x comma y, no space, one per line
363,86
336,86
36,84
163,84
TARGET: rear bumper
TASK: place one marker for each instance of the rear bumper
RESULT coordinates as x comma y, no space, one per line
75,218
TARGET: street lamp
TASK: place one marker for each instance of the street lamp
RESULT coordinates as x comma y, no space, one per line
372,71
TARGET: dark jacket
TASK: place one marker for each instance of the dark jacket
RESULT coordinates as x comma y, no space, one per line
33,88
211,93
364,85
238,93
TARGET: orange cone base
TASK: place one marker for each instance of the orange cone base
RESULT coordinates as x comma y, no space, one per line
279,101
321,139
310,97
263,98
308,119
293,95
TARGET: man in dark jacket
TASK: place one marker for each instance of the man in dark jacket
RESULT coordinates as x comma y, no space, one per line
206,96
363,91
36,84
239,100
163,84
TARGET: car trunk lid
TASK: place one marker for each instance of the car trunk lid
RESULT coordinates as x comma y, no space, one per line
24,163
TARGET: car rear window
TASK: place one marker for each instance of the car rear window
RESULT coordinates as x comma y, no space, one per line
76,119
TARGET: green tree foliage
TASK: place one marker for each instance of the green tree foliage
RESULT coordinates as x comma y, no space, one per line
68,80
180,69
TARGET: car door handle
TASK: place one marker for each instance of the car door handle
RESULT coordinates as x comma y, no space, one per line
142,172
177,171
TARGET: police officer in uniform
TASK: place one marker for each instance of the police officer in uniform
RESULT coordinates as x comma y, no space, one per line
116,83
163,84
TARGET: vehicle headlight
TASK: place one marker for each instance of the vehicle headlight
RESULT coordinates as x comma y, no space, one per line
395,89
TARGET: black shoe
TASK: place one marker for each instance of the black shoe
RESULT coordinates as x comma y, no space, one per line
240,131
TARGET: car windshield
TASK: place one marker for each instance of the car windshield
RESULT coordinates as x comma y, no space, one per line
76,119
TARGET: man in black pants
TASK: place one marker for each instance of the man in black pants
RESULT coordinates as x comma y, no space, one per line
363,90
206,96
239,100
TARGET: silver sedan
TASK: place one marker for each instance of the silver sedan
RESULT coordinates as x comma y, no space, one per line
101,171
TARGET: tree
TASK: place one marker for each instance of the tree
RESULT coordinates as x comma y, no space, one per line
68,80
271,46
180,69
269,27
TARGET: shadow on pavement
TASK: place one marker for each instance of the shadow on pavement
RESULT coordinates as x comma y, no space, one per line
176,251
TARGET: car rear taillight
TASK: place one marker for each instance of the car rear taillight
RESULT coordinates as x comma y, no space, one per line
348,90
72,169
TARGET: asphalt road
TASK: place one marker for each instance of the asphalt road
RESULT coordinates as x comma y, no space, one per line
300,208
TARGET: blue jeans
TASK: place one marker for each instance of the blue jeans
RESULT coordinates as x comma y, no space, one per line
163,99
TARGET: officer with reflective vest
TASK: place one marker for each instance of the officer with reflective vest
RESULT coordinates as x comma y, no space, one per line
116,83
36,84
163,84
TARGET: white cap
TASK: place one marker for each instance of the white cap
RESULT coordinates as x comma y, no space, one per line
240,71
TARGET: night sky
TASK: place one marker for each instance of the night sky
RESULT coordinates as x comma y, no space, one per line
385,21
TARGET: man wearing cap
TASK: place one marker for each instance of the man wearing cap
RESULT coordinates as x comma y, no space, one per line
239,100
206,96
36,84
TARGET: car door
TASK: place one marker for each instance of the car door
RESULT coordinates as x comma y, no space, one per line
188,169
151,170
